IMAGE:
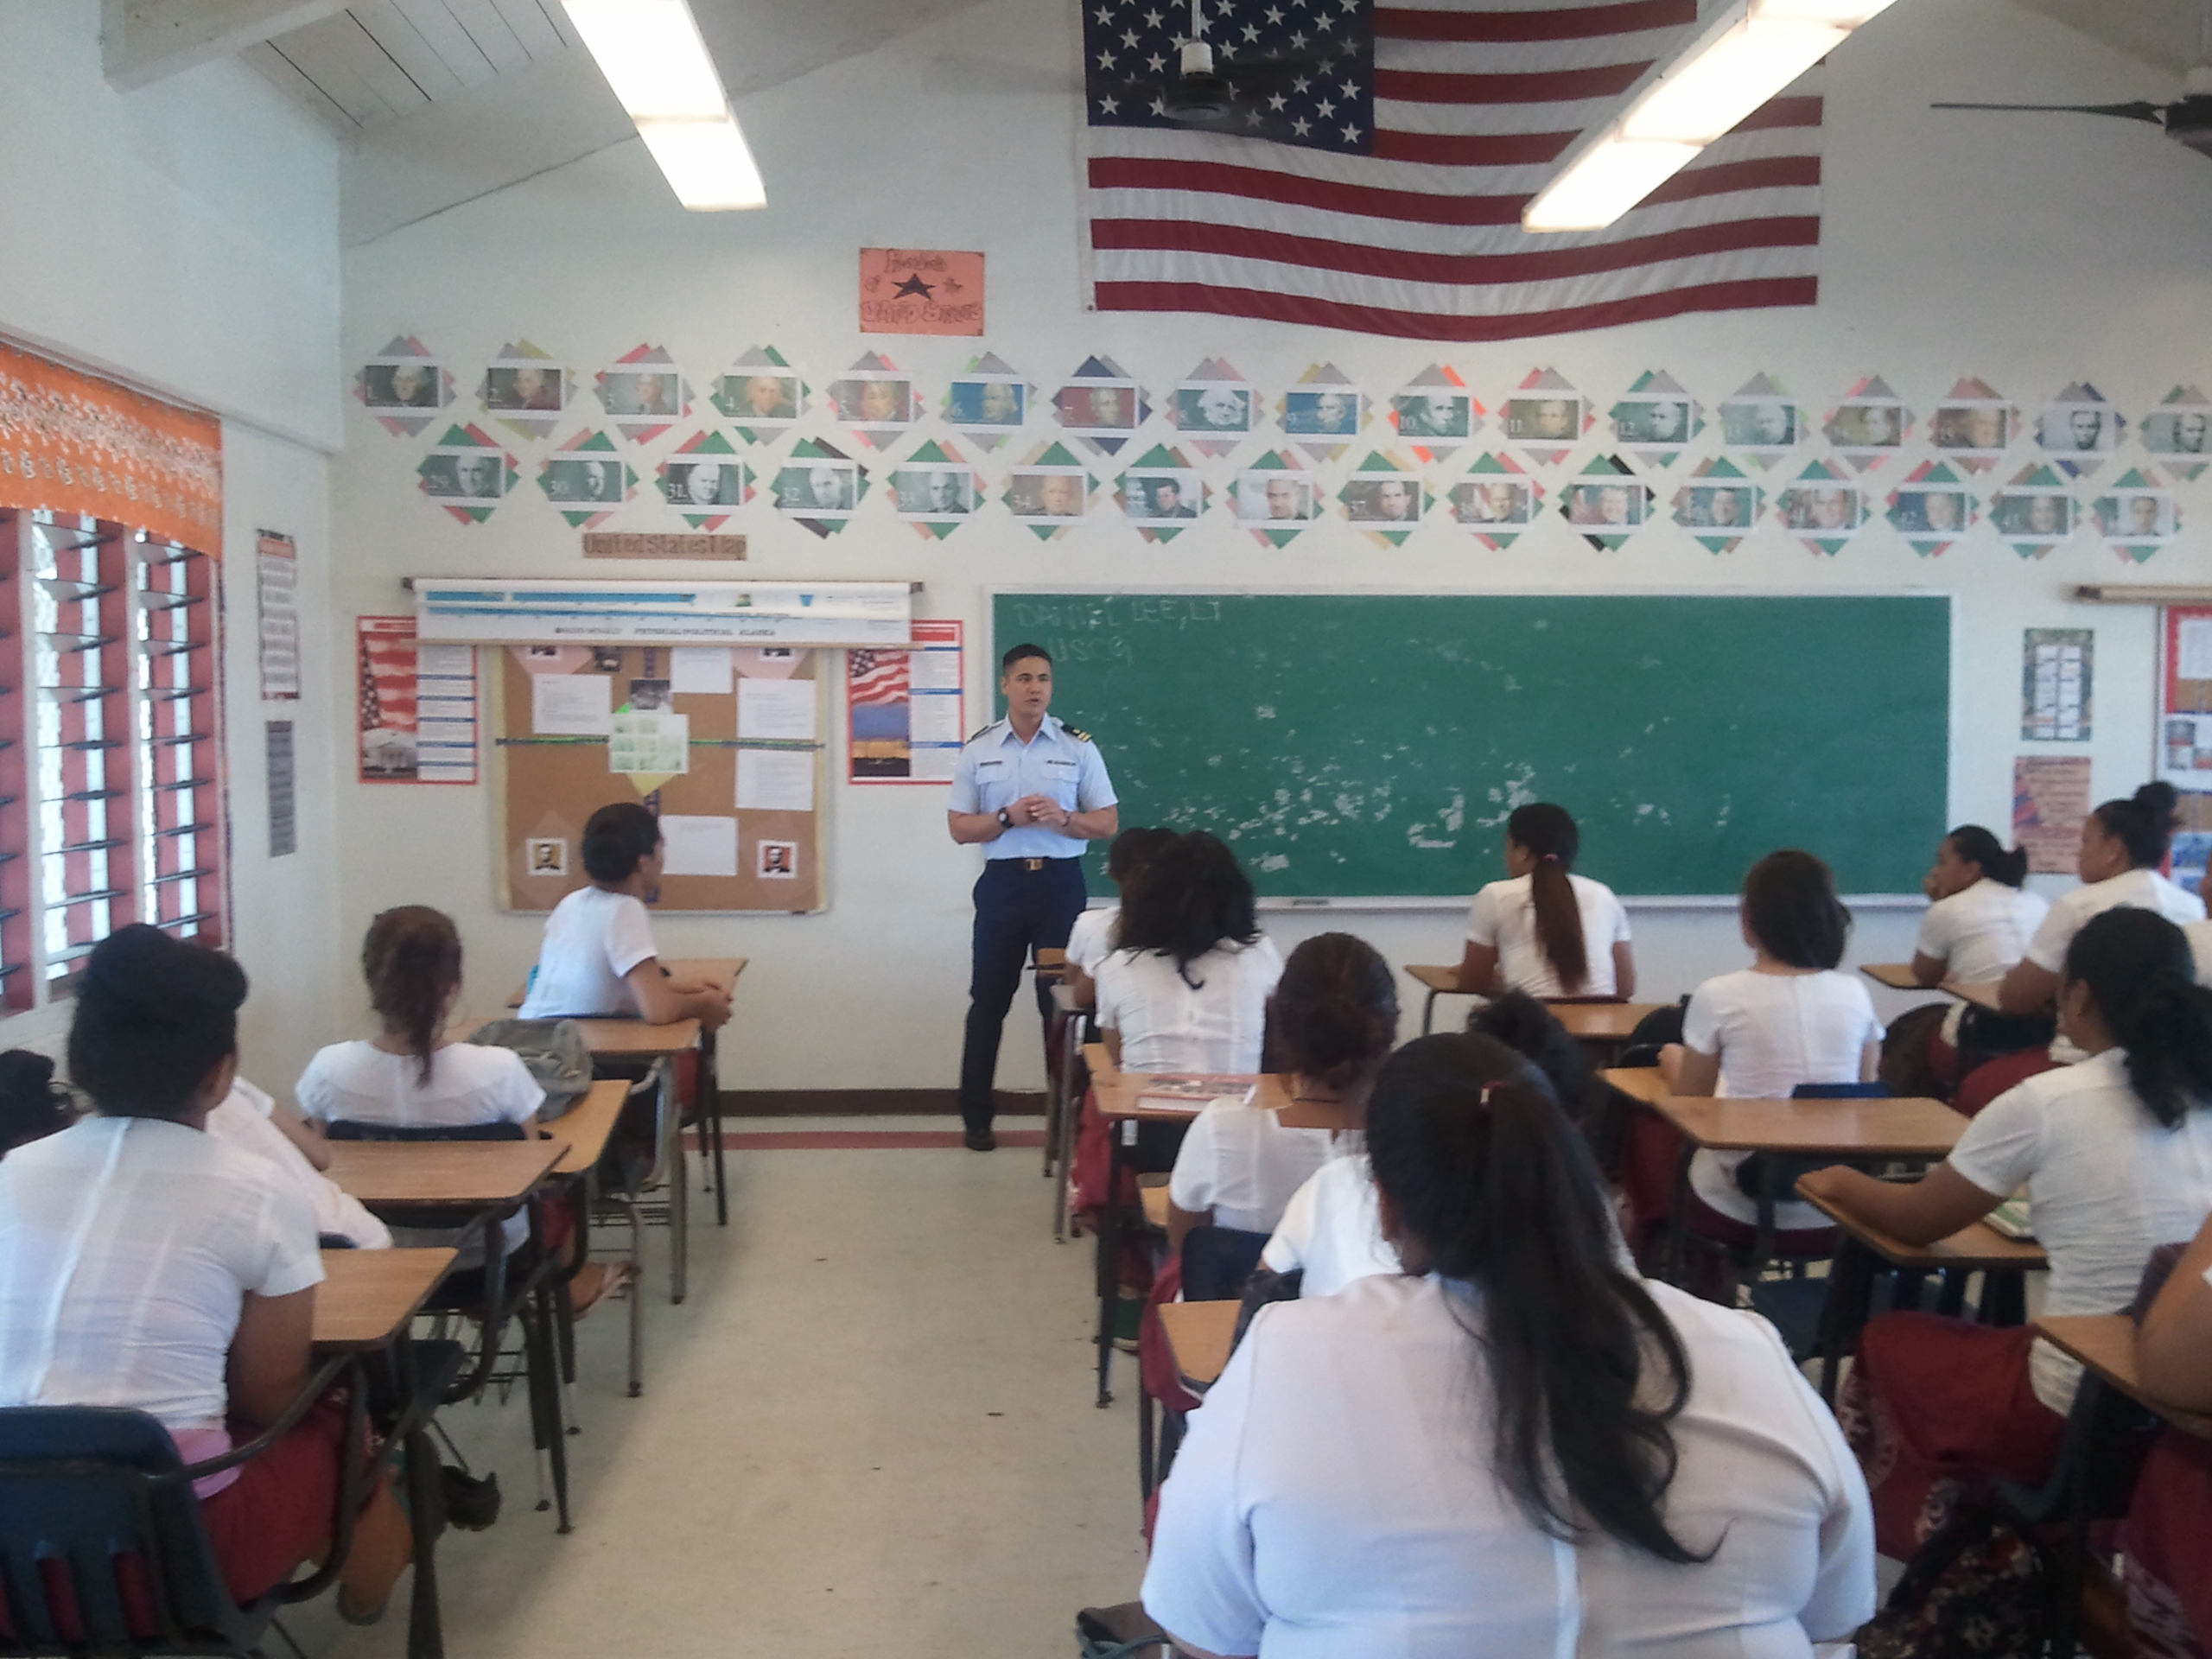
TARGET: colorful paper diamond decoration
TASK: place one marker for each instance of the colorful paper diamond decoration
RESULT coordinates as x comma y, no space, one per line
1434,413
1162,493
875,401
1100,406
1868,424
1606,503
2139,517
1276,497
1760,421
401,380
2078,429
467,473
705,481
936,490
1974,426
1932,508
1823,508
1546,417
2035,512
2179,432
1656,421
1215,408
643,393
819,486
1497,500
761,395
586,480
526,390
1324,412
1384,499
1720,506
990,403
1049,490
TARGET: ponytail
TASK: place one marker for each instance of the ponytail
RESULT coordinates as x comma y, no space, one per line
1975,845
1548,834
2143,824
1494,1188
411,959
2139,971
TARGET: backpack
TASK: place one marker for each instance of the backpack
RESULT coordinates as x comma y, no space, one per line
1977,1589
555,1051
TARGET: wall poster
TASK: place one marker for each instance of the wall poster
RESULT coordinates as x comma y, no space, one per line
418,705
2055,665
2050,800
276,573
904,710
2185,751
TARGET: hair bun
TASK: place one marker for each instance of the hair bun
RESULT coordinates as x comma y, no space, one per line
2160,799
160,976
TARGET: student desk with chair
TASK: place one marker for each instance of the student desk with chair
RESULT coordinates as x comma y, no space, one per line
1199,1338
583,1132
1898,977
475,1183
365,1307
1864,1250
1602,1023
1856,1130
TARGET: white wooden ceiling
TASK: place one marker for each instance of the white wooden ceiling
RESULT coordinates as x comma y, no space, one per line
381,59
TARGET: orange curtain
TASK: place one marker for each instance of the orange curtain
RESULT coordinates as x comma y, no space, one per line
72,443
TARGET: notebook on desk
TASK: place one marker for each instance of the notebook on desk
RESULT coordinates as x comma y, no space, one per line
2011,1218
1191,1090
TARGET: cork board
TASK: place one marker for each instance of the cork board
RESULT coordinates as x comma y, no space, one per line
550,781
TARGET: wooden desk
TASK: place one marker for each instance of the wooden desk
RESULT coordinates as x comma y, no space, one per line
1603,1025
1897,1126
1050,964
1638,1083
1865,1250
582,1131
366,1297
2104,1343
1440,980
1153,1197
1199,1337
476,1175
1897,975
724,971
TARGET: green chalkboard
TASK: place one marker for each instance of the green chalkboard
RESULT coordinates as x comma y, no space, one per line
1368,745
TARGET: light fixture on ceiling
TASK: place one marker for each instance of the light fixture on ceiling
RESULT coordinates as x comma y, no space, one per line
652,55
1744,53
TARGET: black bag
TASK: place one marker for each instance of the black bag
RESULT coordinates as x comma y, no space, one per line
1977,1589
1122,1632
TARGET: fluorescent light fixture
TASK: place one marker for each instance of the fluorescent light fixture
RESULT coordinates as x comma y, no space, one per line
652,55
1750,50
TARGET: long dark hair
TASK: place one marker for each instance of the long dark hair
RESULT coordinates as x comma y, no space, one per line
411,959
2138,967
1548,834
1132,851
1495,1188
154,1016
1194,897
1533,1031
1975,845
1790,906
2143,824
1335,1012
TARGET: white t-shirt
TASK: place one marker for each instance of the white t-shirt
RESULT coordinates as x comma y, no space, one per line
1167,1026
150,1234
1772,1033
592,939
1332,1227
1333,1499
243,1119
1504,915
1239,1161
2199,935
1091,940
2106,1184
2143,889
1980,932
359,1082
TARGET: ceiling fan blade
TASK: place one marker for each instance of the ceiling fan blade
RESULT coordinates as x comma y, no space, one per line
2138,111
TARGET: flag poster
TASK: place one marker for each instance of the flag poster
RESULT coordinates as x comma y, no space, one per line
417,706
1364,167
905,709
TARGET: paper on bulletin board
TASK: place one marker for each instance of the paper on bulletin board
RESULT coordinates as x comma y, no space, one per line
571,705
2056,667
2185,734
650,741
775,780
2050,802
695,845
700,670
776,708
905,709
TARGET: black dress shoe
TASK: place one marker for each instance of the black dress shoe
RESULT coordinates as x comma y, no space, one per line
981,1140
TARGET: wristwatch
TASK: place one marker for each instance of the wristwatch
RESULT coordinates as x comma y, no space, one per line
1005,819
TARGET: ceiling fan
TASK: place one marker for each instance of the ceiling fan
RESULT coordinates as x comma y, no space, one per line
2187,120
1201,93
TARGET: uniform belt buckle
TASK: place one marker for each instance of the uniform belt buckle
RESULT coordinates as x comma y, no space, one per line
1032,865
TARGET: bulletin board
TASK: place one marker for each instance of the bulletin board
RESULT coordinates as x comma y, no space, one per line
724,854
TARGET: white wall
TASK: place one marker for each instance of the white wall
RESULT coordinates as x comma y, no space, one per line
184,238
2031,252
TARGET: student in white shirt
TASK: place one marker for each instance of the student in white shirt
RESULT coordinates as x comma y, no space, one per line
409,1075
1981,919
1187,989
2116,1153
599,955
145,1264
254,1121
1788,1018
1092,939
1331,1229
1545,930
1514,1448
2169,1521
1334,1015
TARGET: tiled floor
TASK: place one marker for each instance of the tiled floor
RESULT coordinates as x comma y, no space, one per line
869,1431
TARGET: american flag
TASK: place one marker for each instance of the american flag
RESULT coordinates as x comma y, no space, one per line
1383,194
388,690
873,677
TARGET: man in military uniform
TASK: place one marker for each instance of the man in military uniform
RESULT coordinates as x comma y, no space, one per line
1032,792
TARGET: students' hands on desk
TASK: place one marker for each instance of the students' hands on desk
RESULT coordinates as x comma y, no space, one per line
663,998
1917,1212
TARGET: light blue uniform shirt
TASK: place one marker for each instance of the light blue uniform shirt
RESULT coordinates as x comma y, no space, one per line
997,768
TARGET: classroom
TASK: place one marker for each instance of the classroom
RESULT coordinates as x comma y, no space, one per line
1848,492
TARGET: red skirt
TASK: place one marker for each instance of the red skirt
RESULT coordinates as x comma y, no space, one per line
1994,1078
2168,1570
1934,1408
1651,1150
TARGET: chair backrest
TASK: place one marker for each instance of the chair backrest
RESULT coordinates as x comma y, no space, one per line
92,1543
1216,1261
1840,1091
347,1129
1653,1031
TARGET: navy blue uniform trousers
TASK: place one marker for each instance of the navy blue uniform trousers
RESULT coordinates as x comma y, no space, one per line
1018,910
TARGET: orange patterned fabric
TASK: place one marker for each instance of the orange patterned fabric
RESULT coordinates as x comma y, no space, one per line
72,443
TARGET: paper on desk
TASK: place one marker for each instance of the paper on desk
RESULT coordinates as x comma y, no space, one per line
776,708
649,741
775,780
698,845
571,705
702,669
